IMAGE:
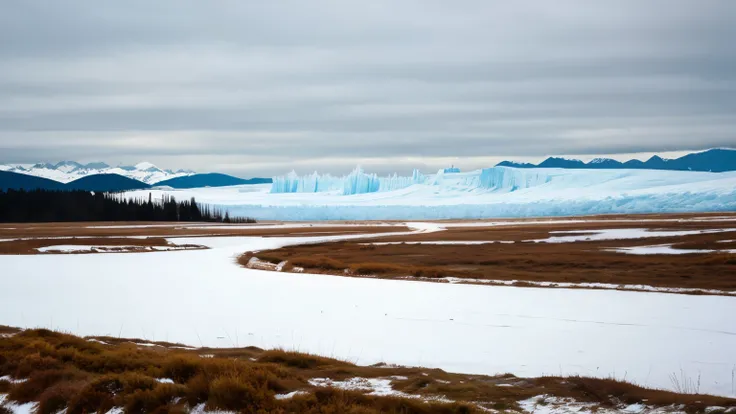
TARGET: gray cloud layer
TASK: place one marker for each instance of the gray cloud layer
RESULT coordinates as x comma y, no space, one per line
261,87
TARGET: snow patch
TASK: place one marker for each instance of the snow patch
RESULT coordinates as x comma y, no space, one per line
374,386
27,408
12,380
80,248
582,285
663,249
620,234
290,395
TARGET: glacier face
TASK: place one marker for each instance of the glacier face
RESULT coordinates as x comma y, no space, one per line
488,193
357,182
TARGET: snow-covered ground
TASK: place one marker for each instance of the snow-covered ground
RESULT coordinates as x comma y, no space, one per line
493,192
78,248
203,298
572,236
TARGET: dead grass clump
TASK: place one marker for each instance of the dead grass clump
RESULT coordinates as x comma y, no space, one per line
146,401
375,268
319,263
429,272
181,368
41,381
294,359
270,259
57,397
239,392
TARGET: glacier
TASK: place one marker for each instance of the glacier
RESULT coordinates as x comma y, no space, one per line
485,193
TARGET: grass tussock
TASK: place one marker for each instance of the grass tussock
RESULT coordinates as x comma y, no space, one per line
64,371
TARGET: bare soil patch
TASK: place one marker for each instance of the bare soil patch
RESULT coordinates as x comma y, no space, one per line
95,374
514,258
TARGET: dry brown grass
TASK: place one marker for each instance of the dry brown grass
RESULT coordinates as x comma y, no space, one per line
579,262
30,246
156,229
83,376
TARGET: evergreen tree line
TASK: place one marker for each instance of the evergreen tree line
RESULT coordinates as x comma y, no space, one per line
19,206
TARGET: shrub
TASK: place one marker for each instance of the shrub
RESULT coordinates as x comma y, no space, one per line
56,397
237,392
293,359
146,401
42,381
181,368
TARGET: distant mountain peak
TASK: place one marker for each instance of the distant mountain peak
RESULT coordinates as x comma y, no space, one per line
146,166
96,166
67,164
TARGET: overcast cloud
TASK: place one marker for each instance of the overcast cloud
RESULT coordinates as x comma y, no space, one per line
262,87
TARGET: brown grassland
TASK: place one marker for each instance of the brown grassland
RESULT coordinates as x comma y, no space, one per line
525,261
29,246
25,238
156,229
65,371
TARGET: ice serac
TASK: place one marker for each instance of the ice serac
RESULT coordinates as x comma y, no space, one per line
357,182
511,179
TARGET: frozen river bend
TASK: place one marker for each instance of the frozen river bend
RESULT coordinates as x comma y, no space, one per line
202,297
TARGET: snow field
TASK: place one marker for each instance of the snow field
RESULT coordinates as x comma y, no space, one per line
203,298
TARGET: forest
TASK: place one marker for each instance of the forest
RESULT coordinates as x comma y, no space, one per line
20,206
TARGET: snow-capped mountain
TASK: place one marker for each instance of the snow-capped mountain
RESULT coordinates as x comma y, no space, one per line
67,171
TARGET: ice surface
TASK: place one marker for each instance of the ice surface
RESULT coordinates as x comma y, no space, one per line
492,192
457,327
357,182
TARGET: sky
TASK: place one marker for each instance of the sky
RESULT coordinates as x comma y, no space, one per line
263,87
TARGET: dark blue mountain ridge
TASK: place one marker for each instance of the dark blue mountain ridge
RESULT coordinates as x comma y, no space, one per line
106,183
210,180
116,182
713,160
18,181
97,182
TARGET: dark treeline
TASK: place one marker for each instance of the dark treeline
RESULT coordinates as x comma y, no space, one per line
19,206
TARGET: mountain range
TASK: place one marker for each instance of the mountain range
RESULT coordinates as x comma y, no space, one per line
68,171
713,160
71,175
